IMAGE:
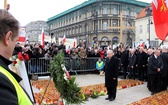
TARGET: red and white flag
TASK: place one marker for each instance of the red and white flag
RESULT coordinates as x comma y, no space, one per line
160,17
74,43
143,44
63,39
22,35
42,38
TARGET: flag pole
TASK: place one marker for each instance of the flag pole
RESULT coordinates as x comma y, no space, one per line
5,4
161,43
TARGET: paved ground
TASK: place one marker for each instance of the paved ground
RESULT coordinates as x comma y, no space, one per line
124,96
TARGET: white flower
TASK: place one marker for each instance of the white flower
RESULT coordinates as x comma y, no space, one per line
63,67
65,77
18,62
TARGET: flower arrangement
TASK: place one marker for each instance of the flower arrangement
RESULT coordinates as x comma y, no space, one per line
19,57
65,84
15,60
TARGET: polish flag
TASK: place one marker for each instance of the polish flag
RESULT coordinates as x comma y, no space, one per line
63,39
22,35
42,38
143,44
74,43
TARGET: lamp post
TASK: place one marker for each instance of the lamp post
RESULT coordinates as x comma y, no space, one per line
149,29
96,23
96,17
149,13
51,34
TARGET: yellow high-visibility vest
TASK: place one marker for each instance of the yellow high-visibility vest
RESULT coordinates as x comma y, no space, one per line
100,64
23,99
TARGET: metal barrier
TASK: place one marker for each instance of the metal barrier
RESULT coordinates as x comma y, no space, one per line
41,66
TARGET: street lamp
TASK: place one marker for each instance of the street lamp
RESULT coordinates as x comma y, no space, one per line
95,17
51,34
149,13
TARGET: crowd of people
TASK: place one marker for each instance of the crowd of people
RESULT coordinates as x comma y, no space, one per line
135,63
147,65
140,63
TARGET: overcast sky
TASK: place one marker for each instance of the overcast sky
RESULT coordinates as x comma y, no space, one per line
31,10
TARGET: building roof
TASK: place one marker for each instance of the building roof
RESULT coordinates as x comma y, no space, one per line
86,3
142,13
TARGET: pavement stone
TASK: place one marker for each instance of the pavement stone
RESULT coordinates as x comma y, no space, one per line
124,96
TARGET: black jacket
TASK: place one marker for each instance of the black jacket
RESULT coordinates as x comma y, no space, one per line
111,71
132,60
154,64
124,58
8,95
142,59
164,57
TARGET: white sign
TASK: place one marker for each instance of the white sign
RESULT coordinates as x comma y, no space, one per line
25,83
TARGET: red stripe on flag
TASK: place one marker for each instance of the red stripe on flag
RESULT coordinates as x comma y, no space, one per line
74,44
42,38
22,39
63,39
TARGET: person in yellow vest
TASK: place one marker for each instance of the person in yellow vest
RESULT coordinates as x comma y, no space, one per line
11,93
100,66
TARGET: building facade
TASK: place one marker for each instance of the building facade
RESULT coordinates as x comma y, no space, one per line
34,29
146,33
107,21
145,30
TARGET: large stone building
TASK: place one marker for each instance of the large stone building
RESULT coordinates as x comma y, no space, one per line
34,29
106,21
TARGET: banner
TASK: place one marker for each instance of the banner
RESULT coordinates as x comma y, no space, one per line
22,35
47,38
70,43
25,83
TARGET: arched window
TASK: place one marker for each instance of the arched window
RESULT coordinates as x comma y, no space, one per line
115,40
105,25
104,38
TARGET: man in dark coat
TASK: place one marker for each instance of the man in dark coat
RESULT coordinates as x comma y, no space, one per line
150,52
132,63
164,72
155,69
111,75
124,61
141,63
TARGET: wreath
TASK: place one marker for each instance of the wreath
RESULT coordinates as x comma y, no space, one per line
15,60
65,84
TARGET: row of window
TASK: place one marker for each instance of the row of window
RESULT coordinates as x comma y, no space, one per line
78,19
105,24
104,9
141,29
71,18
